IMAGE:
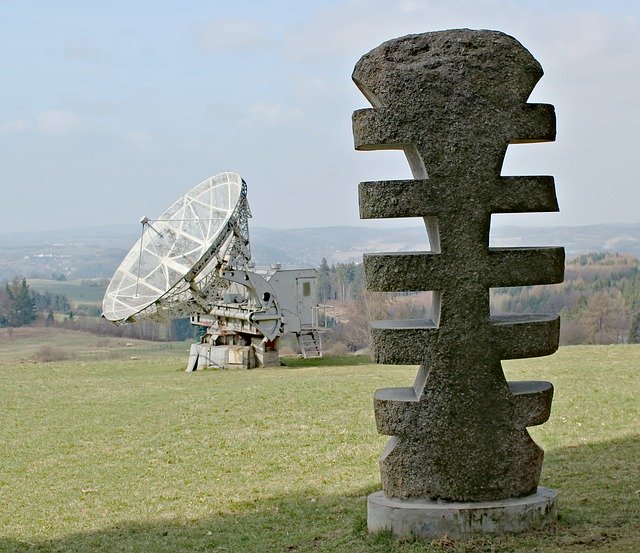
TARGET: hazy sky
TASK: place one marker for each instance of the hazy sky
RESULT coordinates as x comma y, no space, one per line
111,110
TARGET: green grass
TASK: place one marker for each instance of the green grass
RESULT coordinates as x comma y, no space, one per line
139,456
30,344
77,292
342,361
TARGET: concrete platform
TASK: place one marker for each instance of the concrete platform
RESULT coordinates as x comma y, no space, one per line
433,519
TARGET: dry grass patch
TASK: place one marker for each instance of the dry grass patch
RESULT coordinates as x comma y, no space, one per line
47,354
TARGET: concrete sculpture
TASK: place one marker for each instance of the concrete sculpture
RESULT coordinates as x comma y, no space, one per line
453,101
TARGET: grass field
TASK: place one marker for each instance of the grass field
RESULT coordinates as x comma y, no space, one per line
33,344
138,456
76,290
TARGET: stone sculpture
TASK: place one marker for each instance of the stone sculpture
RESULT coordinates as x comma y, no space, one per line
453,101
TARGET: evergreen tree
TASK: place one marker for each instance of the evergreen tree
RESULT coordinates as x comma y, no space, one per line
181,330
61,303
6,303
324,281
25,304
18,305
634,331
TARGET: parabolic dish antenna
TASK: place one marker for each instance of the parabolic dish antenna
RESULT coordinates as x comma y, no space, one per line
164,273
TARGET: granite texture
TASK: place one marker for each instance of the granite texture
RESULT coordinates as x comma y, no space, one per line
453,101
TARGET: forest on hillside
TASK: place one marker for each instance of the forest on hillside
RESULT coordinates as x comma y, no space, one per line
599,303
22,306
599,300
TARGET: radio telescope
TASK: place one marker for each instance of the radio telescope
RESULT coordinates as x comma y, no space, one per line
195,260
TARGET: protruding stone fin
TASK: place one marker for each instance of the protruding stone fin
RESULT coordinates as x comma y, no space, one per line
379,129
424,197
524,194
533,401
394,407
403,342
525,266
537,124
396,272
400,198
522,336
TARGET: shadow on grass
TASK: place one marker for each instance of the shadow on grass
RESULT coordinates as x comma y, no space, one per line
599,510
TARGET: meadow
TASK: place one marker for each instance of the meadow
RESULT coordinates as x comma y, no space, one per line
132,454
42,344
78,291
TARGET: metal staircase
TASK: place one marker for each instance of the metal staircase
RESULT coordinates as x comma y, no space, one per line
310,344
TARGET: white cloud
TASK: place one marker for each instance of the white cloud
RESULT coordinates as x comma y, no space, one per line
58,122
17,126
231,35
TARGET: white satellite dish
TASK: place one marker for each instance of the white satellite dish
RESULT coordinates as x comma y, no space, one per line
194,260
164,273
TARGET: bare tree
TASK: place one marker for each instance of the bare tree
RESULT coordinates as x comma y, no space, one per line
606,317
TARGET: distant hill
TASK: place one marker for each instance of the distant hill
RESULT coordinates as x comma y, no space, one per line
343,244
621,238
96,252
99,234
307,246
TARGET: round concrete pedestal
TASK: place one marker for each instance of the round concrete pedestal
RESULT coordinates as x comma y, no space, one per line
433,519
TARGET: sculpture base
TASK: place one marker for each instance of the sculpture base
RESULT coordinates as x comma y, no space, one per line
434,519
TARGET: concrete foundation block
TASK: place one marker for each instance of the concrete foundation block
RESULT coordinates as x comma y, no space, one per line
434,519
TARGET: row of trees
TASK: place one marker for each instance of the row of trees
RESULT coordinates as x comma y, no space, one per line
599,301
17,304
173,331
341,282
47,302
21,306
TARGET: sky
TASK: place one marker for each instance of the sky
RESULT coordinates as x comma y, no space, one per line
110,111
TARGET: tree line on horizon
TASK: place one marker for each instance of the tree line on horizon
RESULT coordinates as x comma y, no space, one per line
22,306
599,300
599,303
17,304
